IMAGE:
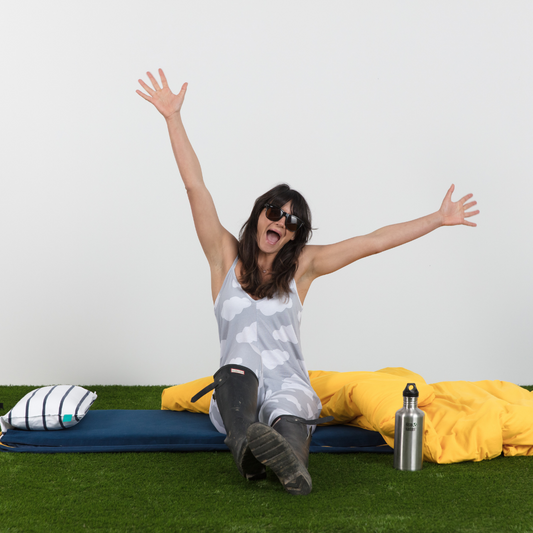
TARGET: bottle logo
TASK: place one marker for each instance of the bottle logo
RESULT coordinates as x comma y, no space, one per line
410,426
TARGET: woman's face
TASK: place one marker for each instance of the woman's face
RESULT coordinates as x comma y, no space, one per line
273,236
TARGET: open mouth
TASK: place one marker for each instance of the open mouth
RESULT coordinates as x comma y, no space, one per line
272,237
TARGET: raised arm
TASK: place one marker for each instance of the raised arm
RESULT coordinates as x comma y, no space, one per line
219,246
321,260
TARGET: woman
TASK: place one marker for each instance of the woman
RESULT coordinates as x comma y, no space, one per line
263,398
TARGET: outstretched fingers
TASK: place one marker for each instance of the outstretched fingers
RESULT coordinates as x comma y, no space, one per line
184,89
465,198
449,193
467,213
467,222
471,213
147,88
163,78
145,96
154,81
468,206
457,212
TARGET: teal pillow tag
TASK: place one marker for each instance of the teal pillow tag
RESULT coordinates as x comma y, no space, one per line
67,418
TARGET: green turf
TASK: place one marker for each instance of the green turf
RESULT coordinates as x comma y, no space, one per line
153,492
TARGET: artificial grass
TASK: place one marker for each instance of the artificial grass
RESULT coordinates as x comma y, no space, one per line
203,491
109,396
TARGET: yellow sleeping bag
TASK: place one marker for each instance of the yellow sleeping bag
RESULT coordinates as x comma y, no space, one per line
465,421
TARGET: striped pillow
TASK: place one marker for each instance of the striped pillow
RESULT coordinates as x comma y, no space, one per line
49,408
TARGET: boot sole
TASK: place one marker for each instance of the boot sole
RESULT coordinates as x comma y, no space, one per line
271,449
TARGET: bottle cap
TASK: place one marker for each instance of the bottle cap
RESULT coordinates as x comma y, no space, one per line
410,391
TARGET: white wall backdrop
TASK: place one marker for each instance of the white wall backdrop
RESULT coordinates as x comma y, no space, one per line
370,108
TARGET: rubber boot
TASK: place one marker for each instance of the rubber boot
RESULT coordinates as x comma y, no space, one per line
284,448
236,396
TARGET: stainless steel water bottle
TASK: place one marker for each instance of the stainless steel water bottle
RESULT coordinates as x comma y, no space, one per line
409,432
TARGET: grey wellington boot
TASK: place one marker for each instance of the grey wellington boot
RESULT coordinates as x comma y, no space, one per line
236,396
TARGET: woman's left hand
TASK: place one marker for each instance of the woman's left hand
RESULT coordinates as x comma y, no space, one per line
454,213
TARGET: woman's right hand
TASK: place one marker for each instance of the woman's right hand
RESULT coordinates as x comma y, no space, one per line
164,100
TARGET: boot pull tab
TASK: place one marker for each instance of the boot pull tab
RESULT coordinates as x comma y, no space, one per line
203,392
303,421
218,381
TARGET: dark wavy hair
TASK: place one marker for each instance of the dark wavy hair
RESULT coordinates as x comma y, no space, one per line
286,261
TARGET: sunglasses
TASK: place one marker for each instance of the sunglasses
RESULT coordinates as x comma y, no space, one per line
292,222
